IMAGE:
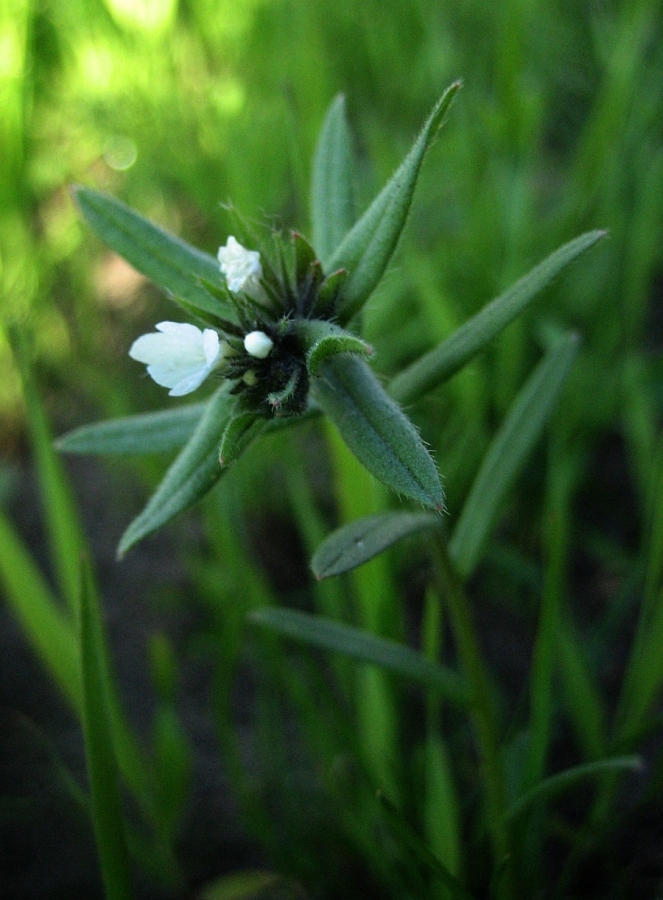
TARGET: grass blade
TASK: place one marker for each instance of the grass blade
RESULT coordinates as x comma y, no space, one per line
99,750
48,628
508,451
426,860
361,646
65,536
452,354
361,540
555,784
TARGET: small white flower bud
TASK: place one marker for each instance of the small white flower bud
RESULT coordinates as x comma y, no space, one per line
258,344
241,267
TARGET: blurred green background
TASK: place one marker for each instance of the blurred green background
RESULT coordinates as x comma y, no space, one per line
175,107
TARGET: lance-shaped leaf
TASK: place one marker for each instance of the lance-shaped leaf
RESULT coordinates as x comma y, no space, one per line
507,453
361,540
195,472
376,430
324,340
363,647
366,250
452,354
169,262
332,182
158,432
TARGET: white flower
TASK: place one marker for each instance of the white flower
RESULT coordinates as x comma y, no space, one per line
258,344
241,267
180,357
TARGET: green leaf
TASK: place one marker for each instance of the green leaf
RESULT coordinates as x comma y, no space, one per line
239,433
195,472
332,191
555,784
376,430
328,293
361,540
324,340
363,647
64,531
424,857
585,705
240,886
157,432
166,260
99,750
366,250
508,451
447,358
50,631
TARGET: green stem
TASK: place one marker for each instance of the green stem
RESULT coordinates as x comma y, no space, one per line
484,723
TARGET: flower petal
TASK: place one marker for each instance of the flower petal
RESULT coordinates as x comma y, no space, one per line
178,356
240,266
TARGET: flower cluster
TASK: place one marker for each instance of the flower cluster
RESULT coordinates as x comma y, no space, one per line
262,352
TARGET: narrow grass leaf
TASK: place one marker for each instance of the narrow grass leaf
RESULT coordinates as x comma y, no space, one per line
48,628
424,857
447,358
157,432
52,634
441,811
508,451
644,672
356,543
555,784
100,752
193,473
332,182
366,250
584,703
363,647
376,430
240,886
169,262
65,535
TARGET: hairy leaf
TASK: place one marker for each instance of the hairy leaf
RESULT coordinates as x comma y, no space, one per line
195,472
452,354
376,430
361,540
169,262
366,250
157,432
508,451
332,192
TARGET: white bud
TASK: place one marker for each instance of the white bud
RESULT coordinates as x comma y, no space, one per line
241,267
179,356
258,344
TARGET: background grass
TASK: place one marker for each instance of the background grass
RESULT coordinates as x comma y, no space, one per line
174,107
